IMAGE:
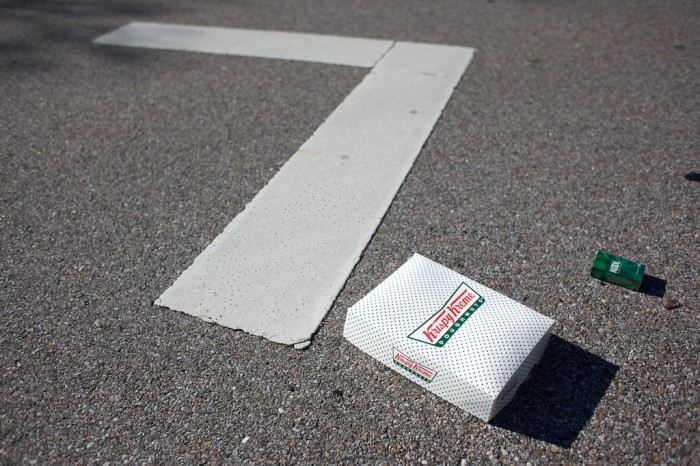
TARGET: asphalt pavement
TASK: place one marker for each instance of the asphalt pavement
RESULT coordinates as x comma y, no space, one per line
574,129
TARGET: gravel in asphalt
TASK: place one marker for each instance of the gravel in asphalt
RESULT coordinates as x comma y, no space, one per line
573,130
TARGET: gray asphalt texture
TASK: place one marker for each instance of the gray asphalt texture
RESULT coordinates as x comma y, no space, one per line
574,129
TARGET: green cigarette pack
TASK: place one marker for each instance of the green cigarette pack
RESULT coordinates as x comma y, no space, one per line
618,271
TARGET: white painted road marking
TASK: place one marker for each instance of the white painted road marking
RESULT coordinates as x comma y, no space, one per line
332,50
279,265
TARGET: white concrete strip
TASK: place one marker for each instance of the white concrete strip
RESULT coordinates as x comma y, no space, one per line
243,42
279,265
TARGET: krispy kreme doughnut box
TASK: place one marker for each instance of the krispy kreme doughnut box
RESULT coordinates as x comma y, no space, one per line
466,343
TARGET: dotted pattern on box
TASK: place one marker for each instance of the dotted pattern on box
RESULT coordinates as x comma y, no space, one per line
481,365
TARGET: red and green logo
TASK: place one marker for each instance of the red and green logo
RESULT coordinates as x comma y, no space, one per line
438,330
413,367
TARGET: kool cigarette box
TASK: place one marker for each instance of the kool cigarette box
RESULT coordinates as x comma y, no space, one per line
462,341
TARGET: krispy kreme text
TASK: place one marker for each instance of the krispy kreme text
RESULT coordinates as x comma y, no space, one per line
412,366
437,329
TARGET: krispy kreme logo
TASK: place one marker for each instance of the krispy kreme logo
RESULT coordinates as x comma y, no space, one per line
413,367
438,330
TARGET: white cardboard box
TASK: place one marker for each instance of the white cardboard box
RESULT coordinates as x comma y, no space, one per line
462,341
